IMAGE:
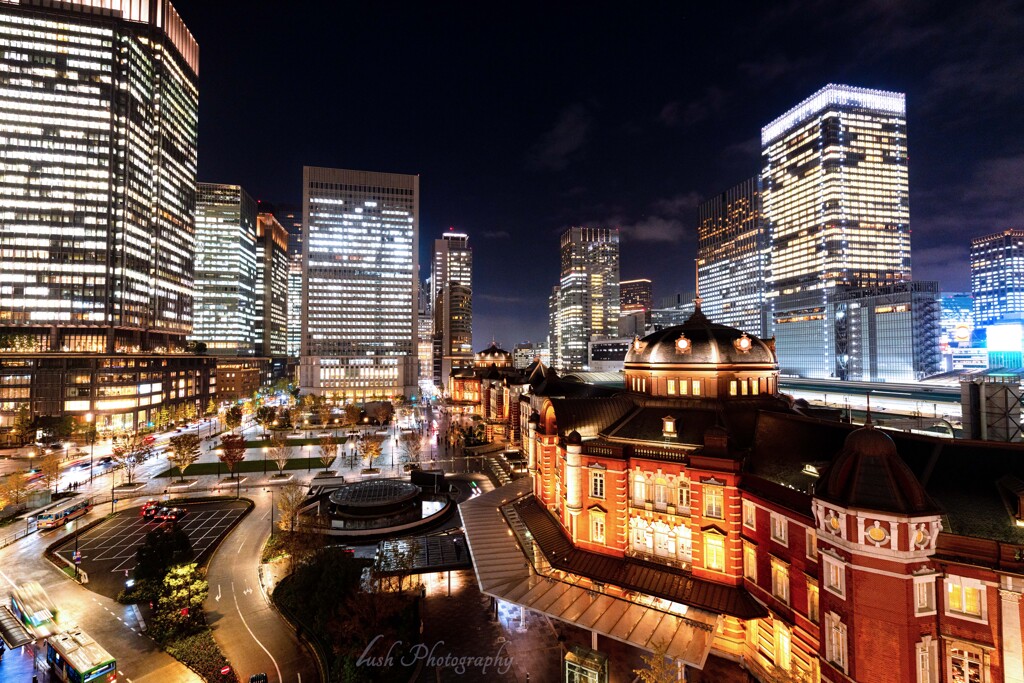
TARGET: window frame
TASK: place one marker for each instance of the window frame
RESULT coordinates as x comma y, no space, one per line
836,641
780,580
964,583
749,561
712,492
831,564
597,518
595,478
749,515
779,523
719,541
925,586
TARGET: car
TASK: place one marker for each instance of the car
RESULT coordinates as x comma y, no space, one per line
150,508
149,440
172,514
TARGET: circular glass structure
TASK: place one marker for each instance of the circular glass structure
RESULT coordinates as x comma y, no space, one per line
373,498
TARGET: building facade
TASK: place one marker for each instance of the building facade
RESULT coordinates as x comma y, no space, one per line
97,233
425,335
997,276
636,295
588,292
272,288
702,512
732,258
291,218
835,198
226,270
452,304
361,240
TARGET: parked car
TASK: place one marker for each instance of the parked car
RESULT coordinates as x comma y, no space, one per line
150,508
149,440
171,514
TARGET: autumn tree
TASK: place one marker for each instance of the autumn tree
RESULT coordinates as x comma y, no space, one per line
265,416
279,452
179,609
660,667
22,426
232,451
184,451
352,414
369,448
49,466
328,450
289,499
13,489
211,409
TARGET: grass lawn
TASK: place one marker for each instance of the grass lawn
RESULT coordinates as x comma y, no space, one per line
267,443
246,466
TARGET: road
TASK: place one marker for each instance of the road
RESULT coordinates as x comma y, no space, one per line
253,636
112,625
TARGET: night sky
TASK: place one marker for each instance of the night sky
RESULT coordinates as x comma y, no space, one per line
523,119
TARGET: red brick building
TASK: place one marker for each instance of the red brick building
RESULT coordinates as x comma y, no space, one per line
702,510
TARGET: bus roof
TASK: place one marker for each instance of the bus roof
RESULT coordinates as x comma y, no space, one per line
79,649
35,601
56,510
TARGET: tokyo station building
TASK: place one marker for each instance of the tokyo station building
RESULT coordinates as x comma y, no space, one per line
701,511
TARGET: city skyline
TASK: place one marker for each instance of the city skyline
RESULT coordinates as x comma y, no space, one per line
632,137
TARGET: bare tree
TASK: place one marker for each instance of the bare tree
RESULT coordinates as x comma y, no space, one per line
411,446
50,469
279,452
369,448
129,449
184,451
265,417
328,450
352,414
13,489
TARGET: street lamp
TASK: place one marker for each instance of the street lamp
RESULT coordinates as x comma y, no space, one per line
264,460
89,417
271,510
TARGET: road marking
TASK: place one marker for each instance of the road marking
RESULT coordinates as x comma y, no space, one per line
218,593
8,579
138,617
239,552
246,625
300,677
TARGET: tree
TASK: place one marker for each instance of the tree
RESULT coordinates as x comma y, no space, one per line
369,448
411,446
13,489
352,414
791,675
323,412
179,609
22,426
328,450
660,667
128,449
190,411
279,452
161,549
211,408
289,499
265,416
233,417
398,562
184,451
232,450
163,416
50,469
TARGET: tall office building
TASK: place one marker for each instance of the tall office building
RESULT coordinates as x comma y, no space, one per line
272,290
835,198
997,276
452,283
361,239
291,218
98,130
588,296
636,295
731,256
424,335
225,275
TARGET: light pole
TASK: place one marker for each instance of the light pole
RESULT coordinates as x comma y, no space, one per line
264,461
92,440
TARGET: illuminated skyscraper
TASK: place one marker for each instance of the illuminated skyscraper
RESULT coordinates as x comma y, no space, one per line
997,276
636,295
98,131
835,198
291,218
731,258
361,238
225,273
452,283
588,292
272,289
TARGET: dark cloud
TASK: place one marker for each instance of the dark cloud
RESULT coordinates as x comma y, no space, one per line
567,137
654,229
679,204
496,235
770,69
680,113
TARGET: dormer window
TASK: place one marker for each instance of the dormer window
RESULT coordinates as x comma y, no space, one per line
668,427
743,344
683,345
638,345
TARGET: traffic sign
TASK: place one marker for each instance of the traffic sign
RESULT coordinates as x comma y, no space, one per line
225,670
78,557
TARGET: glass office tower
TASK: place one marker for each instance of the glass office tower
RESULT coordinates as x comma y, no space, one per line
835,198
588,292
272,290
997,276
361,238
731,256
98,130
291,218
225,270
452,281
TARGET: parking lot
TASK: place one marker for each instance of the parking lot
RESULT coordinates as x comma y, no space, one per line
110,548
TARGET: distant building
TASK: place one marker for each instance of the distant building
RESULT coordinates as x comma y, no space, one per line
424,333
291,218
272,290
525,353
98,157
225,274
240,378
588,292
732,258
359,313
673,310
607,355
634,323
956,325
452,304
636,295
997,276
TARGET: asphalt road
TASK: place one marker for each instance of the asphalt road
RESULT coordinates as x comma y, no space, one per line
112,625
253,636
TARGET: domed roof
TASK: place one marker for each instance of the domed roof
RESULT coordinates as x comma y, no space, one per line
493,354
870,474
573,438
699,340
